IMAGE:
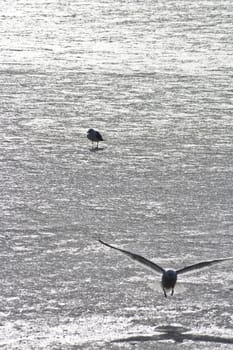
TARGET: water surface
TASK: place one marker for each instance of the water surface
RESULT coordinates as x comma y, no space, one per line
156,79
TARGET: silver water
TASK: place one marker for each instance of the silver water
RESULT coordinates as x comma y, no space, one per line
155,78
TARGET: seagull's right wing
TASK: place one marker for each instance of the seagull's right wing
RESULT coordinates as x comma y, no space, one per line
201,265
137,258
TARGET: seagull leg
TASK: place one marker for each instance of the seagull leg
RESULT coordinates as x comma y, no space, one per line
172,292
164,291
97,145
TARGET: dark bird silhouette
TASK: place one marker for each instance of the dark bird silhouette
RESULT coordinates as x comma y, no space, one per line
169,277
94,136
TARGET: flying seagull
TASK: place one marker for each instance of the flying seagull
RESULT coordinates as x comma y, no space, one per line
94,136
169,277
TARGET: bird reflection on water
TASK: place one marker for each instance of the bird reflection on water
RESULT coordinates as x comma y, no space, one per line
169,277
176,334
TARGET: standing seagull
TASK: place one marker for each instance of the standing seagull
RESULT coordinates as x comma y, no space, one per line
94,136
169,277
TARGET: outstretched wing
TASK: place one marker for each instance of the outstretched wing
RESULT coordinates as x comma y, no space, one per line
201,265
137,258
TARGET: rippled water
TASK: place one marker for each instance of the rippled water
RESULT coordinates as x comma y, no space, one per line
156,79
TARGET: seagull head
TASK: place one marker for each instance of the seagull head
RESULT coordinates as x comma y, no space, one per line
91,131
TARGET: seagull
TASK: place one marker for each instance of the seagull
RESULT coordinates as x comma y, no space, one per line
169,277
94,136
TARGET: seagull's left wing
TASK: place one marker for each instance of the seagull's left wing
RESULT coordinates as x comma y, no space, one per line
201,265
137,258
99,136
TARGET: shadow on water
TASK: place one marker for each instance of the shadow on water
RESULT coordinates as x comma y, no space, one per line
177,334
96,149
